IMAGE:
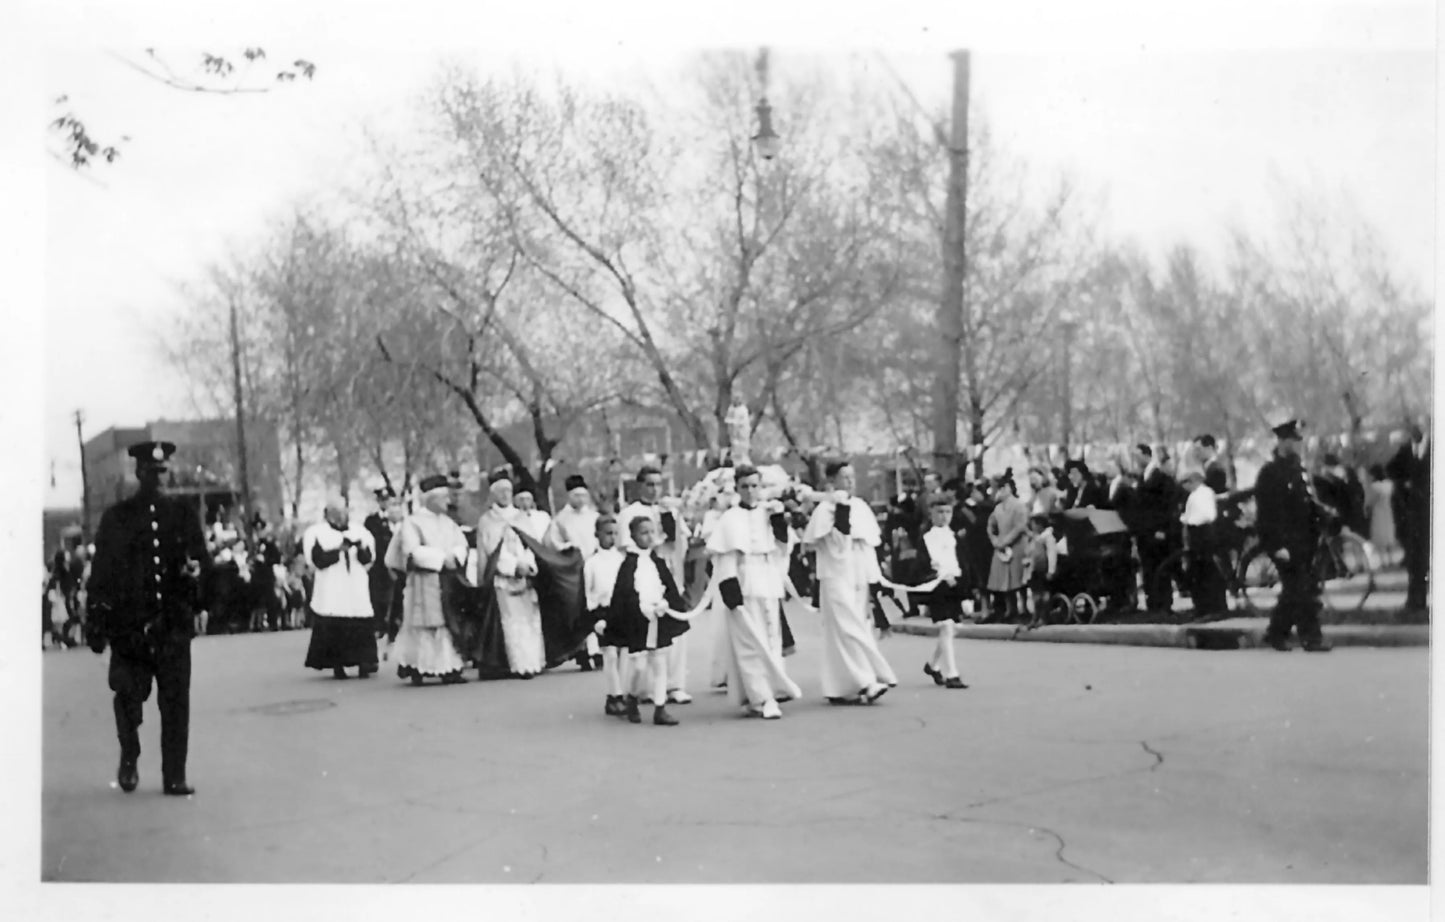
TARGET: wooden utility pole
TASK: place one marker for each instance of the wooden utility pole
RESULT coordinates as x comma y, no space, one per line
84,482
240,423
950,304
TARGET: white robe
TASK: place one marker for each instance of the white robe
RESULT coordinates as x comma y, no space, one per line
574,528
516,598
424,543
744,548
340,590
847,564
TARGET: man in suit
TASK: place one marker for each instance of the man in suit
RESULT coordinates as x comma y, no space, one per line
1151,511
1216,477
1290,519
143,591
1410,470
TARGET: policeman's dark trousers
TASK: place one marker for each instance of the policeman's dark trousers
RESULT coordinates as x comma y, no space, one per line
1299,603
130,679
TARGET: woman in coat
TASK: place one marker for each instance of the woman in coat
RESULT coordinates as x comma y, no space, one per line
1379,497
1008,533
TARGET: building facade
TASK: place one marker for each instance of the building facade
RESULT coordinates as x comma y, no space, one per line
206,465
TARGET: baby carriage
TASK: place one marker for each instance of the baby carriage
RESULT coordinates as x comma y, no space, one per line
1096,572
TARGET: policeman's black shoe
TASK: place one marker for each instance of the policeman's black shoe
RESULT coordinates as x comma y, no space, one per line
933,674
1320,646
179,789
1281,644
127,775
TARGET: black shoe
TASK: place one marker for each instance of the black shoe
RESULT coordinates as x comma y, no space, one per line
455,678
417,679
615,707
1319,646
661,718
1281,644
933,674
583,661
179,789
127,775
954,682
339,673
630,710
366,672
597,661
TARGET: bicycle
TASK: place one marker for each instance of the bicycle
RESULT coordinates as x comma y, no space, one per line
1343,565
1236,541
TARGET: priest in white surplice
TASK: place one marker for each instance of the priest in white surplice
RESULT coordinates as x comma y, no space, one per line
515,566
750,561
672,536
844,532
427,544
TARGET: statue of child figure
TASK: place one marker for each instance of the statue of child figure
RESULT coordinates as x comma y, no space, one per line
740,429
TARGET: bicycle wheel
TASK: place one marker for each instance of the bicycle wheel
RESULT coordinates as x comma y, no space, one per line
1258,582
1347,573
1085,608
1166,576
1058,610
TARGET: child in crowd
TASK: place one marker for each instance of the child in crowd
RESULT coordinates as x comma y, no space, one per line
940,555
599,577
644,600
1041,565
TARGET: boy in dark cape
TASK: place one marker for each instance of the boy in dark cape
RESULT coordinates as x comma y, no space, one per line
643,602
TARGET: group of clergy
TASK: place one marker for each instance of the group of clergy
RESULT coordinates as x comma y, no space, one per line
632,565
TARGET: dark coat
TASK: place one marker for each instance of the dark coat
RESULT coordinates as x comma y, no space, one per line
1287,513
1412,488
138,578
1153,508
627,620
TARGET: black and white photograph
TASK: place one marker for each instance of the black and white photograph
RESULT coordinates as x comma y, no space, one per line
571,450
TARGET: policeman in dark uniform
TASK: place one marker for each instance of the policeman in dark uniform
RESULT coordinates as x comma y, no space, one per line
1290,520
144,583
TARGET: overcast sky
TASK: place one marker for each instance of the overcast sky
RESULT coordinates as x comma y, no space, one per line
1180,127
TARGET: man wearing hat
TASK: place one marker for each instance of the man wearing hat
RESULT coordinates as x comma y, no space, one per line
428,547
1289,519
143,593
575,524
381,525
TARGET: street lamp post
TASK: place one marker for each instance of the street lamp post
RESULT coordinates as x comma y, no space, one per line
1070,326
766,140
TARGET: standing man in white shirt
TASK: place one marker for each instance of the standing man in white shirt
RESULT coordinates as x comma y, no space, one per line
672,536
1200,513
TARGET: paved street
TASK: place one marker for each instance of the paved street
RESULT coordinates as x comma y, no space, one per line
1063,763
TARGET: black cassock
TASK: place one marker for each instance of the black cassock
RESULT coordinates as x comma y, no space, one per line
475,621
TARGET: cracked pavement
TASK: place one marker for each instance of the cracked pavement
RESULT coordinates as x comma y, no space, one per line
1062,763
